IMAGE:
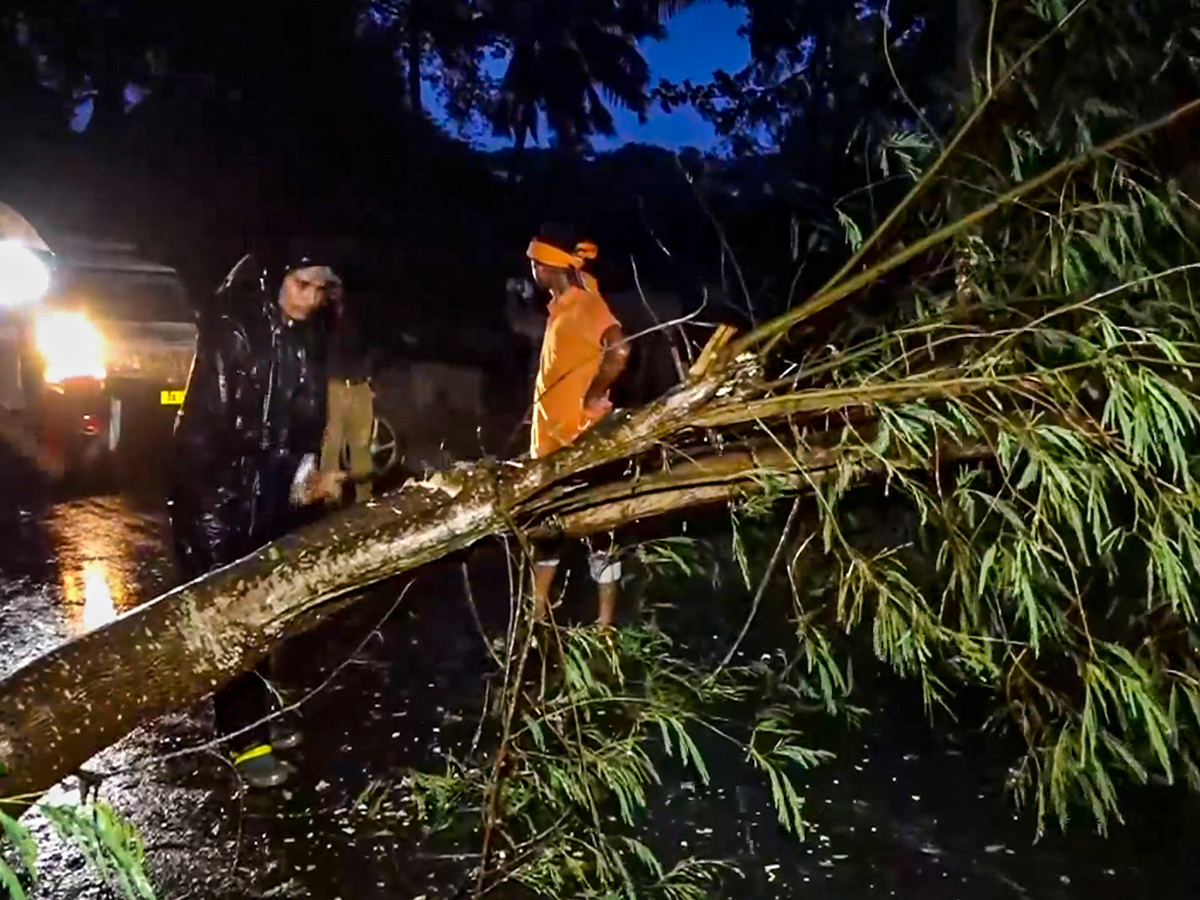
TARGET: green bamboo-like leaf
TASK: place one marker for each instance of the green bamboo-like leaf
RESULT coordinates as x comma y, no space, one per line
690,752
22,841
853,233
11,883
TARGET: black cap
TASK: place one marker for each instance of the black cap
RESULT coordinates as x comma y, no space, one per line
307,254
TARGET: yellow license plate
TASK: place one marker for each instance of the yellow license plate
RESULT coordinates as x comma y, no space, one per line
171,398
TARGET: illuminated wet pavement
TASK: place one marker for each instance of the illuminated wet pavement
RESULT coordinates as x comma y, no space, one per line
900,813
71,567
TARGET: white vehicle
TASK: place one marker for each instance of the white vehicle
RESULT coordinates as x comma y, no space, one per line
88,333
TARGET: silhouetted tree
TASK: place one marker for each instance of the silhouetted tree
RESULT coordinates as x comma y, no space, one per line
566,58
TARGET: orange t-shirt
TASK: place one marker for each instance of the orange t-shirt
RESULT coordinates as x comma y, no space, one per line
571,354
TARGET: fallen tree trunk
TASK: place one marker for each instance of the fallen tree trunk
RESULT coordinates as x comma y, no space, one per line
65,706
62,708
718,479
59,710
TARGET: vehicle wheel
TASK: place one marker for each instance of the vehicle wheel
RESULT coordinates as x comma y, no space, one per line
385,447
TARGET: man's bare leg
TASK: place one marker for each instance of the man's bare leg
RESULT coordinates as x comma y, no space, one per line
608,604
543,583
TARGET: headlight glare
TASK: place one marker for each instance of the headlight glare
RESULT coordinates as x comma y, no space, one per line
70,346
24,277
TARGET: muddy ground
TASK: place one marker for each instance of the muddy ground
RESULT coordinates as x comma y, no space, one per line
900,813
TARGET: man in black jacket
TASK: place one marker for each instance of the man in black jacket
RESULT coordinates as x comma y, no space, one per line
246,445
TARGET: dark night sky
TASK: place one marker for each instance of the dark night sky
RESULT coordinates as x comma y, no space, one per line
701,40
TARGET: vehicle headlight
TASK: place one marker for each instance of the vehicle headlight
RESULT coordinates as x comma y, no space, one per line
70,345
24,277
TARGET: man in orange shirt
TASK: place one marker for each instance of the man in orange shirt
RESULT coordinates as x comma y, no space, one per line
583,353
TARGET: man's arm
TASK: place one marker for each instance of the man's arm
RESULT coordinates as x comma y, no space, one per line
209,447
211,440
614,350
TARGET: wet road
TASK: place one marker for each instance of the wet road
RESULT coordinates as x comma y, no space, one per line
69,567
900,813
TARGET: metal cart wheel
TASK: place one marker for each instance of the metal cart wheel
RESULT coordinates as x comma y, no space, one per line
385,447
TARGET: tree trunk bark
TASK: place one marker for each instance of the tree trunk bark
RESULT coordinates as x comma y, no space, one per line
64,707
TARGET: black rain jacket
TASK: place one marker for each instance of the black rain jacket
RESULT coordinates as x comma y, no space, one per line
254,407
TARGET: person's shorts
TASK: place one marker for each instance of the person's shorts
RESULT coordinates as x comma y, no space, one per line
604,557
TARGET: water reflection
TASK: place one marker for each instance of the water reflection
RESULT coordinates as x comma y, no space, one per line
68,568
90,589
106,557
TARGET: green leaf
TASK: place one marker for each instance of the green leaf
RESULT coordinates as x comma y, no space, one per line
851,230
11,882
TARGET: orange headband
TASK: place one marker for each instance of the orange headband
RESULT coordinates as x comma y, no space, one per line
549,255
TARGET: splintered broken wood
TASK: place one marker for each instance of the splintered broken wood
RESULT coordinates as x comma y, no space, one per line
720,338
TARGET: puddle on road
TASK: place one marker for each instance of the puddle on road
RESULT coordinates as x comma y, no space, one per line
109,559
68,568
91,586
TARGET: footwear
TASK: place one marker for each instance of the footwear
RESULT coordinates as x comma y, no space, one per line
285,733
261,769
